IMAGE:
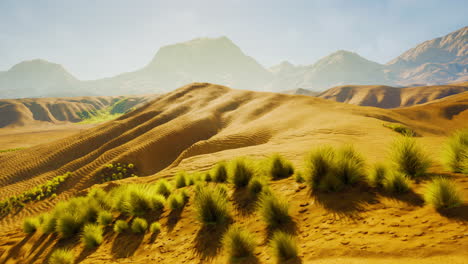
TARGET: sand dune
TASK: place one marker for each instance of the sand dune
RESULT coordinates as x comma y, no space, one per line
390,97
197,125
37,111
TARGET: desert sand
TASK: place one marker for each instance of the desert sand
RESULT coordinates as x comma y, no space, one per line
200,124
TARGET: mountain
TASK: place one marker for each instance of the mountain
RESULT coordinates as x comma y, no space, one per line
216,60
37,78
437,61
390,97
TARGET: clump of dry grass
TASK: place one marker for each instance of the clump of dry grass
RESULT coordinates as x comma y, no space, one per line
239,244
274,210
409,158
279,167
284,247
442,193
211,205
62,256
455,155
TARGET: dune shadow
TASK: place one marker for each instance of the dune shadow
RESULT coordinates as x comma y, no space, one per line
15,251
245,201
347,203
125,244
207,243
457,213
410,197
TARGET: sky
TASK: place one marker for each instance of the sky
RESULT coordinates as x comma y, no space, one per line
101,38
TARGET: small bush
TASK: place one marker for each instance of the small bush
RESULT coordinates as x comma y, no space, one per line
274,211
48,224
396,183
139,225
155,228
92,235
164,188
349,165
67,225
242,173
181,179
280,168
284,247
176,201
104,218
442,193
256,186
299,178
239,244
319,164
211,205
137,199
30,225
120,226
455,155
399,128
377,175
220,172
207,177
409,158
61,256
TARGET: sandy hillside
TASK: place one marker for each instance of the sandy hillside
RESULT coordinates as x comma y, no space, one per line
60,110
197,125
390,97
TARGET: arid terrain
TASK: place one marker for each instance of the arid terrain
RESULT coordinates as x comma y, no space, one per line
201,124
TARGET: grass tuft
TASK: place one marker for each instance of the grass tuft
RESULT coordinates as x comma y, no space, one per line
92,235
164,188
279,167
396,183
155,228
442,193
211,205
120,226
176,201
455,155
62,256
181,179
377,175
402,129
104,218
349,165
299,178
220,173
319,164
239,244
274,211
242,173
30,225
284,247
139,225
409,158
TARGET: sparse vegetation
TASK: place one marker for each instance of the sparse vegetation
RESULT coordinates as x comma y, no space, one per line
120,226
117,171
319,164
377,175
211,205
155,228
30,225
256,186
442,193
279,167
220,173
139,225
239,244
284,247
396,183
298,177
181,179
409,158
137,199
349,165
455,155
177,201
402,129
105,114
104,218
62,256
92,235
242,173
164,188
35,194
10,150
274,211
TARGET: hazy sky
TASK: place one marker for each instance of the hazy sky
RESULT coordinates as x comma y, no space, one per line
101,38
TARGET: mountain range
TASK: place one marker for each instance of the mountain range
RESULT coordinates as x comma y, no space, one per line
218,60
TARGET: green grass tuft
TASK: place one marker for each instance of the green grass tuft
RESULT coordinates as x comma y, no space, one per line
279,167
104,218
61,256
442,193
239,244
137,199
409,158
181,179
319,164
164,188
455,155
377,175
220,173
349,165
120,226
211,205
298,177
176,201
274,211
242,173
92,235
30,225
396,183
155,228
402,129
284,247
139,225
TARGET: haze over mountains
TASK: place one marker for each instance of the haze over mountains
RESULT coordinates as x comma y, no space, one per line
218,60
